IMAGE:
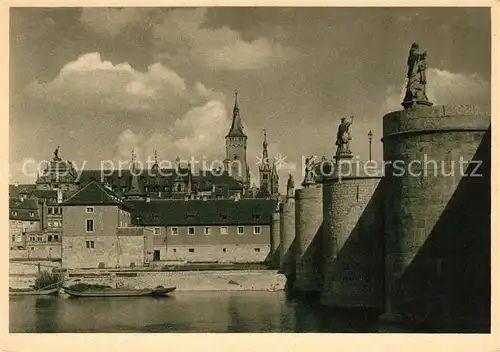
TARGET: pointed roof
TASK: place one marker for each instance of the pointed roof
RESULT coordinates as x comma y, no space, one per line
94,194
237,125
265,165
135,189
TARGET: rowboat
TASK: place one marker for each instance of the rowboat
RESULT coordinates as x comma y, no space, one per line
119,292
31,292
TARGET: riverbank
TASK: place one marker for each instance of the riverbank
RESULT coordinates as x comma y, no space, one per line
217,280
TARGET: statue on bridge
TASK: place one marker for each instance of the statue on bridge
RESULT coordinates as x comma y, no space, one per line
344,137
310,174
290,187
417,79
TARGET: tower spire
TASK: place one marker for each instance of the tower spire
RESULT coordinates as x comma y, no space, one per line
265,154
237,125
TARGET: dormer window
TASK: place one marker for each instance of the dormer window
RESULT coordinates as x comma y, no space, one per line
14,213
190,215
32,214
223,216
257,216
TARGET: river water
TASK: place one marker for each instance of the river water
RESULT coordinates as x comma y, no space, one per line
235,311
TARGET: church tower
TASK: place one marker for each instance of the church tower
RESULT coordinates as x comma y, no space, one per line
265,170
236,149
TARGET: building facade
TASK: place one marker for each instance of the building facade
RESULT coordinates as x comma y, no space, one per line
212,230
97,232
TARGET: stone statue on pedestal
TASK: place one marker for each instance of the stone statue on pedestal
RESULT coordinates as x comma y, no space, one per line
343,138
310,174
290,187
417,80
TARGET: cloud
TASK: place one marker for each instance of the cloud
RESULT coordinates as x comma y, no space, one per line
94,83
112,21
444,88
182,34
199,134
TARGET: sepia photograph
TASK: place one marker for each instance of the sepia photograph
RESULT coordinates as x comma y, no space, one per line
250,170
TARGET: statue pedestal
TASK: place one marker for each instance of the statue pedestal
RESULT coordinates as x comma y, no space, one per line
408,104
343,156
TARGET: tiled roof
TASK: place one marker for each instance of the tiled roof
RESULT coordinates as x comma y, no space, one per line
202,212
43,193
16,189
94,194
26,209
161,180
27,203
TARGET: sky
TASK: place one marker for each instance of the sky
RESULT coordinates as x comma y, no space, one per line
99,82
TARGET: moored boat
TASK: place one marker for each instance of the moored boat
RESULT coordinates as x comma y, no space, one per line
32,292
119,292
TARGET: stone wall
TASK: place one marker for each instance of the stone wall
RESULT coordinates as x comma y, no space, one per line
353,241
437,237
117,251
308,239
287,237
225,253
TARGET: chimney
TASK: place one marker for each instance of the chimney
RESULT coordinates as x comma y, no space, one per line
213,188
236,197
186,197
205,198
148,199
59,195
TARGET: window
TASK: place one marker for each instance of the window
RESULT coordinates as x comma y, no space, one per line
13,238
190,230
175,250
191,250
89,244
224,250
257,249
56,237
223,216
32,214
14,213
89,225
207,230
156,256
50,210
223,230
157,230
265,177
256,230
257,216
89,210
190,215
49,238
50,223
174,231
241,230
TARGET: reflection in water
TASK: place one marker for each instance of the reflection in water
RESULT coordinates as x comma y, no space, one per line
183,312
